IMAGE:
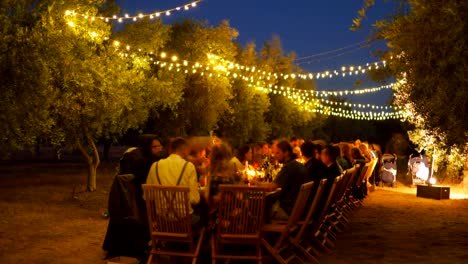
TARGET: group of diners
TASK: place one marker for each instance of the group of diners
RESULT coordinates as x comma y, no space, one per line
202,164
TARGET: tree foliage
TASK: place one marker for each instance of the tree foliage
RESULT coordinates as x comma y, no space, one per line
427,54
427,41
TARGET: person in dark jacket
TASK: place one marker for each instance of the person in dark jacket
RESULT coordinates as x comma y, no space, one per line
290,178
128,232
316,170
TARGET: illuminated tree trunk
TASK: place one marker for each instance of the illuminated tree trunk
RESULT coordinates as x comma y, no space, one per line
92,159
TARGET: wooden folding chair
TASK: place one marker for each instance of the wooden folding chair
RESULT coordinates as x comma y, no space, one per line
318,234
299,240
240,221
285,229
170,222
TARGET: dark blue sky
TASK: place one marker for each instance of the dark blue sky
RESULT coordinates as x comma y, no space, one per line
306,27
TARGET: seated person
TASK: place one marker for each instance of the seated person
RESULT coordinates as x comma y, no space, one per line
222,171
315,167
175,170
290,178
328,156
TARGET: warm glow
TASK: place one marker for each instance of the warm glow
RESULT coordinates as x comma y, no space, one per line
423,171
432,181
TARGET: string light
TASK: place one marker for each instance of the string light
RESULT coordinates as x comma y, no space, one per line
323,93
258,81
140,16
297,96
342,72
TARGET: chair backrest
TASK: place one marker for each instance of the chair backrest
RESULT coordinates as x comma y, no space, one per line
363,173
355,175
241,210
312,209
331,197
168,210
348,179
300,203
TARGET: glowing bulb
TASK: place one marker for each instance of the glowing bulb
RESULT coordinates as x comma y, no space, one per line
174,58
140,15
168,13
71,24
163,55
68,12
194,4
116,43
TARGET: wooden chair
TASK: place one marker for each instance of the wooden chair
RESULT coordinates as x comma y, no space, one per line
170,221
317,233
299,240
285,229
240,221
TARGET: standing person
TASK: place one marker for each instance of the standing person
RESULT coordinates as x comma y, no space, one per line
127,232
138,161
175,170
290,178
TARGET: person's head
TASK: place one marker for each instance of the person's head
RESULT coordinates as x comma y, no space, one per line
329,154
198,154
220,156
220,152
364,150
357,143
284,152
345,149
180,147
150,145
265,149
244,153
307,149
356,154
294,141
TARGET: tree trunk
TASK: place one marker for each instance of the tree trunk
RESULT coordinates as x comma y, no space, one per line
92,159
91,182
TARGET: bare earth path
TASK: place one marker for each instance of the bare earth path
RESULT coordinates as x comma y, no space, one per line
394,227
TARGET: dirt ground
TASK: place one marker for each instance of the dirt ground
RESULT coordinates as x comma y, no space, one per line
395,226
43,220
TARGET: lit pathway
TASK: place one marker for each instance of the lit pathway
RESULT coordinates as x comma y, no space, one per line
395,227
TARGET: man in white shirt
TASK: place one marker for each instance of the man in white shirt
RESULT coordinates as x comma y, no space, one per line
175,170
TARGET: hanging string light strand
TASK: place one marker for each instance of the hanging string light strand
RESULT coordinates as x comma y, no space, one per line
128,17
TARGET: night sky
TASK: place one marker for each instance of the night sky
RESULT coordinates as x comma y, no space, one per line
306,27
